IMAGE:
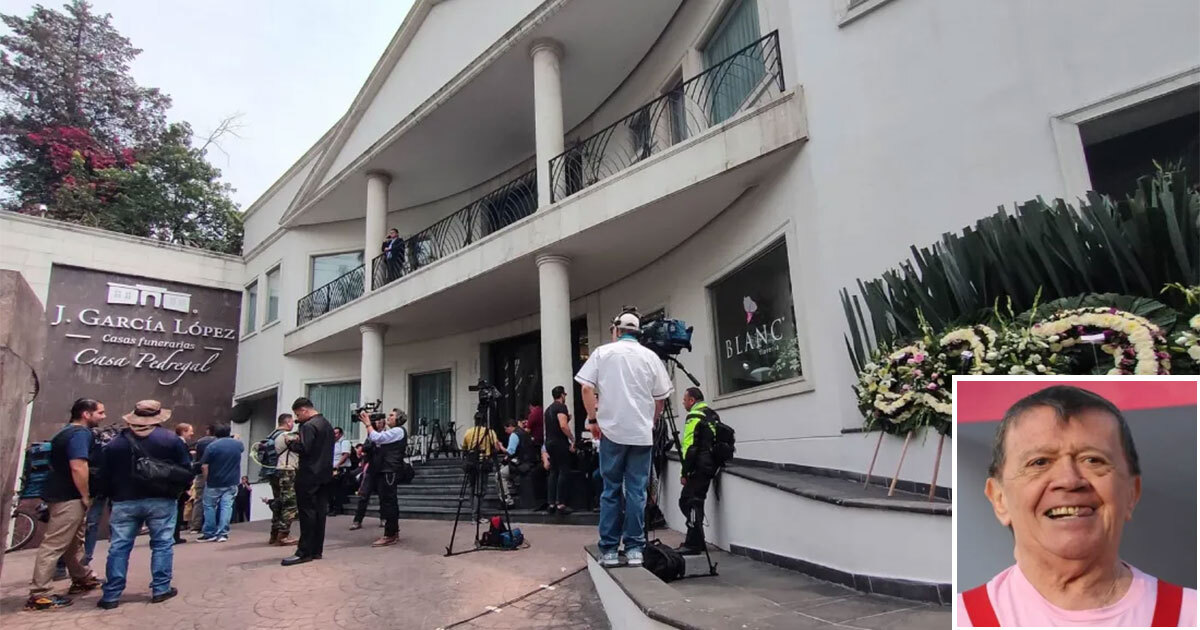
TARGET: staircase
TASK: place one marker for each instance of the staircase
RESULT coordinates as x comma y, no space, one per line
433,494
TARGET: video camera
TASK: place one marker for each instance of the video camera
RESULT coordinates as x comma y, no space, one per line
667,337
487,391
370,408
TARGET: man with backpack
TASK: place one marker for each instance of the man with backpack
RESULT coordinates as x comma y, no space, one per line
701,455
279,467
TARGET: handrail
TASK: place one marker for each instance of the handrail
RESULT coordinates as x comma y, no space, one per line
488,214
731,85
336,293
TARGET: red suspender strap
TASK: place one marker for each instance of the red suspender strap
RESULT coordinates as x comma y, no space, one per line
1167,605
979,608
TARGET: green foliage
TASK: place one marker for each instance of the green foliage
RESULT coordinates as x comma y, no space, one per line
83,142
1133,247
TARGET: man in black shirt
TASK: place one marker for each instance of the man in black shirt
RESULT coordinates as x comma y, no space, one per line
68,493
560,446
314,443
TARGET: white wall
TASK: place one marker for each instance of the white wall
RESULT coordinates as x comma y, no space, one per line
31,245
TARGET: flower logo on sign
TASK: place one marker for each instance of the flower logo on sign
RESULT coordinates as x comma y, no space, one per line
750,307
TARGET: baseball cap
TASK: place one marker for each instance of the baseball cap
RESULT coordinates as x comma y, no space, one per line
627,321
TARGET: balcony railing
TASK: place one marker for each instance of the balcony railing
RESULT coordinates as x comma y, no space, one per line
491,213
745,78
340,291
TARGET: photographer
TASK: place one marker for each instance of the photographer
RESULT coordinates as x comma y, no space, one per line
388,460
521,460
367,475
479,445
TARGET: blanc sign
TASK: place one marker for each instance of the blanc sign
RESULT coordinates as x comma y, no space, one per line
165,344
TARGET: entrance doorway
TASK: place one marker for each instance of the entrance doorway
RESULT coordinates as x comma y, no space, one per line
516,370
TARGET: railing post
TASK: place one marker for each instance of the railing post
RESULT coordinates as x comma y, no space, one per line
548,115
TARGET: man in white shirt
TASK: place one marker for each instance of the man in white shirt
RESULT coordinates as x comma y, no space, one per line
341,464
634,384
390,445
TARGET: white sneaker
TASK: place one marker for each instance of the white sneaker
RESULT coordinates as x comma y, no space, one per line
222,539
610,559
633,557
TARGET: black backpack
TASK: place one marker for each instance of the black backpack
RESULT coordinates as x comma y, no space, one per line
663,561
724,439
155,476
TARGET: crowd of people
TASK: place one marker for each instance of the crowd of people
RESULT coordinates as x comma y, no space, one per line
155,482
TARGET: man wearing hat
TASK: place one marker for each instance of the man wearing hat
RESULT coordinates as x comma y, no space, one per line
135,505
634,384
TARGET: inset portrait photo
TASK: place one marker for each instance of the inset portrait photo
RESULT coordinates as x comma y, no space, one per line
1075,501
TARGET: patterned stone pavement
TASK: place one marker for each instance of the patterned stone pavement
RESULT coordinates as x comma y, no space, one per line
240,584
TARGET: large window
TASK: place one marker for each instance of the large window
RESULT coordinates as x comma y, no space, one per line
326,269
429,398
731,87
335,401
755,322
272,295
251,309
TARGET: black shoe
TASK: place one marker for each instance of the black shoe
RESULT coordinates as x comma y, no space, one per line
553,509
565,511
180,541
107,605
162,597
297,559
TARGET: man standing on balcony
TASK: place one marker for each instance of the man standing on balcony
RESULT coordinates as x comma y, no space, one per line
635,385
314,443
393,255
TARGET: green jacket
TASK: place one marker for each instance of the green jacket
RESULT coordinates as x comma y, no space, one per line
694,445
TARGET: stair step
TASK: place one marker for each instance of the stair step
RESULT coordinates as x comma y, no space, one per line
515,516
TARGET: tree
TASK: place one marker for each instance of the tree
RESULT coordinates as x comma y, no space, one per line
83,142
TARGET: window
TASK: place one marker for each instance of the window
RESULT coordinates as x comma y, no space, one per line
272,295
326,269
755,323
429,398
335,401
1122,146
732,86
251,308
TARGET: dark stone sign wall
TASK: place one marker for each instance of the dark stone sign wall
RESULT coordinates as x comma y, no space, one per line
120,339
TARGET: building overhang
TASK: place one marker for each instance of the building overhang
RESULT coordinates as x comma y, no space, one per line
608,231
481,122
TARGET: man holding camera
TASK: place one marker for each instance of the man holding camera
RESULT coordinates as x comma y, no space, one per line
635,386
314,444
388,461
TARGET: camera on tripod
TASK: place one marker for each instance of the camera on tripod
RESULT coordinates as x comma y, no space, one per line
370,408
487,391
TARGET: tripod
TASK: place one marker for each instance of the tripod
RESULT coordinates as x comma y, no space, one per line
664,446
475,471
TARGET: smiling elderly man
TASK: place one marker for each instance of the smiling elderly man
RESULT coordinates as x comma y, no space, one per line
1065,478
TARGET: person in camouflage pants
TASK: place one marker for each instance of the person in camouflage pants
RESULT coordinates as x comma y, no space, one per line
283,486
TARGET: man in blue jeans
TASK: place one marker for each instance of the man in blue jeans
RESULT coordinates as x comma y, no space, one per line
134,505
222,466
634,385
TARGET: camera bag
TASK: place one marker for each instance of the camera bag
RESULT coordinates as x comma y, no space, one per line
663,561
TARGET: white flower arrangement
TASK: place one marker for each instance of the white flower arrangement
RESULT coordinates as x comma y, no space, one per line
1136,344
903,389
972,345
1189,340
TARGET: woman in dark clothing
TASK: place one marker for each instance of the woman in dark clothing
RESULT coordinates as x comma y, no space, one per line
241,502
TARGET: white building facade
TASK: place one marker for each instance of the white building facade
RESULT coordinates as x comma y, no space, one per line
730,163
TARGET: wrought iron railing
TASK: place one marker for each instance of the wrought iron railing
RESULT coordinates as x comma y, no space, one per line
491,213
745,78
340,291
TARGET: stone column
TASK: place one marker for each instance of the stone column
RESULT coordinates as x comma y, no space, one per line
371,380
376,223
547,110
554,290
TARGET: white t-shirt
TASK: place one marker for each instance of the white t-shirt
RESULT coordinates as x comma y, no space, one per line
339,447
628,378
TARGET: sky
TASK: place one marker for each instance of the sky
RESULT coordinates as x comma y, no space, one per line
290,67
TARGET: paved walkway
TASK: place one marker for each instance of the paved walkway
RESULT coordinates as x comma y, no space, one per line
240,584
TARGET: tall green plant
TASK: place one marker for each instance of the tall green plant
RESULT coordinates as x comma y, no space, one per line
1133,246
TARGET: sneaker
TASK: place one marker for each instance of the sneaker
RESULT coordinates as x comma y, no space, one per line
82,586
107,605
633,557
222,539
162,597
610,559
46,602
206,538
180,541
565,511
355,525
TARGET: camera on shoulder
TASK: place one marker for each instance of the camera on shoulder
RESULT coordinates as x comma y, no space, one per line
370,408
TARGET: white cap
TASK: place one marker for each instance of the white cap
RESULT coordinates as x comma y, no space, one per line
627,321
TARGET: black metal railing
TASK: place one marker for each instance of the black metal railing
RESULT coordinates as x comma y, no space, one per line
741,80
491,213
340,291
